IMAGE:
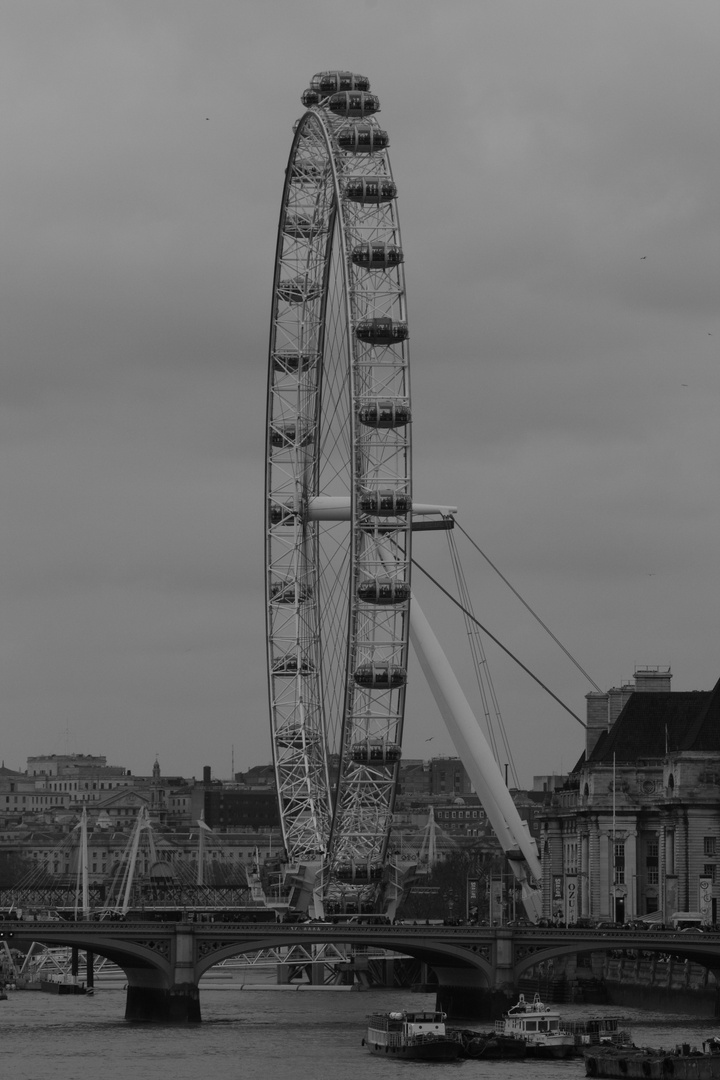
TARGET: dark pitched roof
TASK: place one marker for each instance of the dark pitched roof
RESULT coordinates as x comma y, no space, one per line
651,724
705,732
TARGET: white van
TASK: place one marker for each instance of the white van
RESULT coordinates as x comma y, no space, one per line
687,920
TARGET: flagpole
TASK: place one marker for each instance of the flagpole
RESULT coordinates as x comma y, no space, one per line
614,869
201,847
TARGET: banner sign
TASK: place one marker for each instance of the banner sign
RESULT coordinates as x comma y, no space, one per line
571,897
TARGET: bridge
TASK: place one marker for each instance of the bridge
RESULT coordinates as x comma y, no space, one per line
477,968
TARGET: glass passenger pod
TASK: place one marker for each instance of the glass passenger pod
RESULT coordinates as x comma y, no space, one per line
380,676
302,228
291,665
370,190
281,514
330,82
384,414
377,255
289,591
286,434
384,591
292,362
362,139
297,290
385,503
360,873
381,331
295,738
306,172
376,750
353,103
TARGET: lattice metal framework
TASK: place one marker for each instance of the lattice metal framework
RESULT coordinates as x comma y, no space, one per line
338,488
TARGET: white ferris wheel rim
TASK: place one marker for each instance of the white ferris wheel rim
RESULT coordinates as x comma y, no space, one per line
337,735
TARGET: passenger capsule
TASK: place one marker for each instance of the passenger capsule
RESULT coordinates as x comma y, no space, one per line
353,103
384,414
289,591
385,503
380,676
291,665
377,255
381,331
383,591
298,289
359,873
306,172
310,97
362,139
302,228
281,514
293,738
290,434
329,82
292,362
376,751
370,190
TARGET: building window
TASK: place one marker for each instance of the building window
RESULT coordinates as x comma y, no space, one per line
709,845
619,847
709,871
652,862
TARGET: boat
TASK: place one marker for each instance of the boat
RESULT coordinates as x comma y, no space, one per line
488,1045
599,1030
682,1063
62,984
539,1027
420,1036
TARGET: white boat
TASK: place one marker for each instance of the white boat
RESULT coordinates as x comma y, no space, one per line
539,1027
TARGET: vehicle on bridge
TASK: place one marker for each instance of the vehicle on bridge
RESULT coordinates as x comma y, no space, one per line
200,915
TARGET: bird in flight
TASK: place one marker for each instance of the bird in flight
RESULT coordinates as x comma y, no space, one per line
643,257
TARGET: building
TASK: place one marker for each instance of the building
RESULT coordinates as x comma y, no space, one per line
636,828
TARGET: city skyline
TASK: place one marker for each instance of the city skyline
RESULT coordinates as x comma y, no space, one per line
558,199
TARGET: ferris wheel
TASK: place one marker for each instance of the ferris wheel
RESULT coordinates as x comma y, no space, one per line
340,512
338,486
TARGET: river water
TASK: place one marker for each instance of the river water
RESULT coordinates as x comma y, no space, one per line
280,1035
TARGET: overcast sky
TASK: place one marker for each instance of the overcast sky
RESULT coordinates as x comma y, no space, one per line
558,166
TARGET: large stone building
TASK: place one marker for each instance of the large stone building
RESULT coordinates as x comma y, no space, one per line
635,831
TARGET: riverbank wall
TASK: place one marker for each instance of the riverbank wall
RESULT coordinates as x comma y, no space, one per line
666,984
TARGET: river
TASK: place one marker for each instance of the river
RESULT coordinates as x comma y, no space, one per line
280,1035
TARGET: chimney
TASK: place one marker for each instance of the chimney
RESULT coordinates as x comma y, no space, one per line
617,699
597,720
653,680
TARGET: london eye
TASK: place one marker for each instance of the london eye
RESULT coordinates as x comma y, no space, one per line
338,487
339,513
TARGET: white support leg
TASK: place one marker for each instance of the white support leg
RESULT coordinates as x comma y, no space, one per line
474,752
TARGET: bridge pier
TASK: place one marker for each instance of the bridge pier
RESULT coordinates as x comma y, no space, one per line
149,997
464,993
176,1004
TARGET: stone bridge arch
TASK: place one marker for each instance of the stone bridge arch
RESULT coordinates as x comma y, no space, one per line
439,956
